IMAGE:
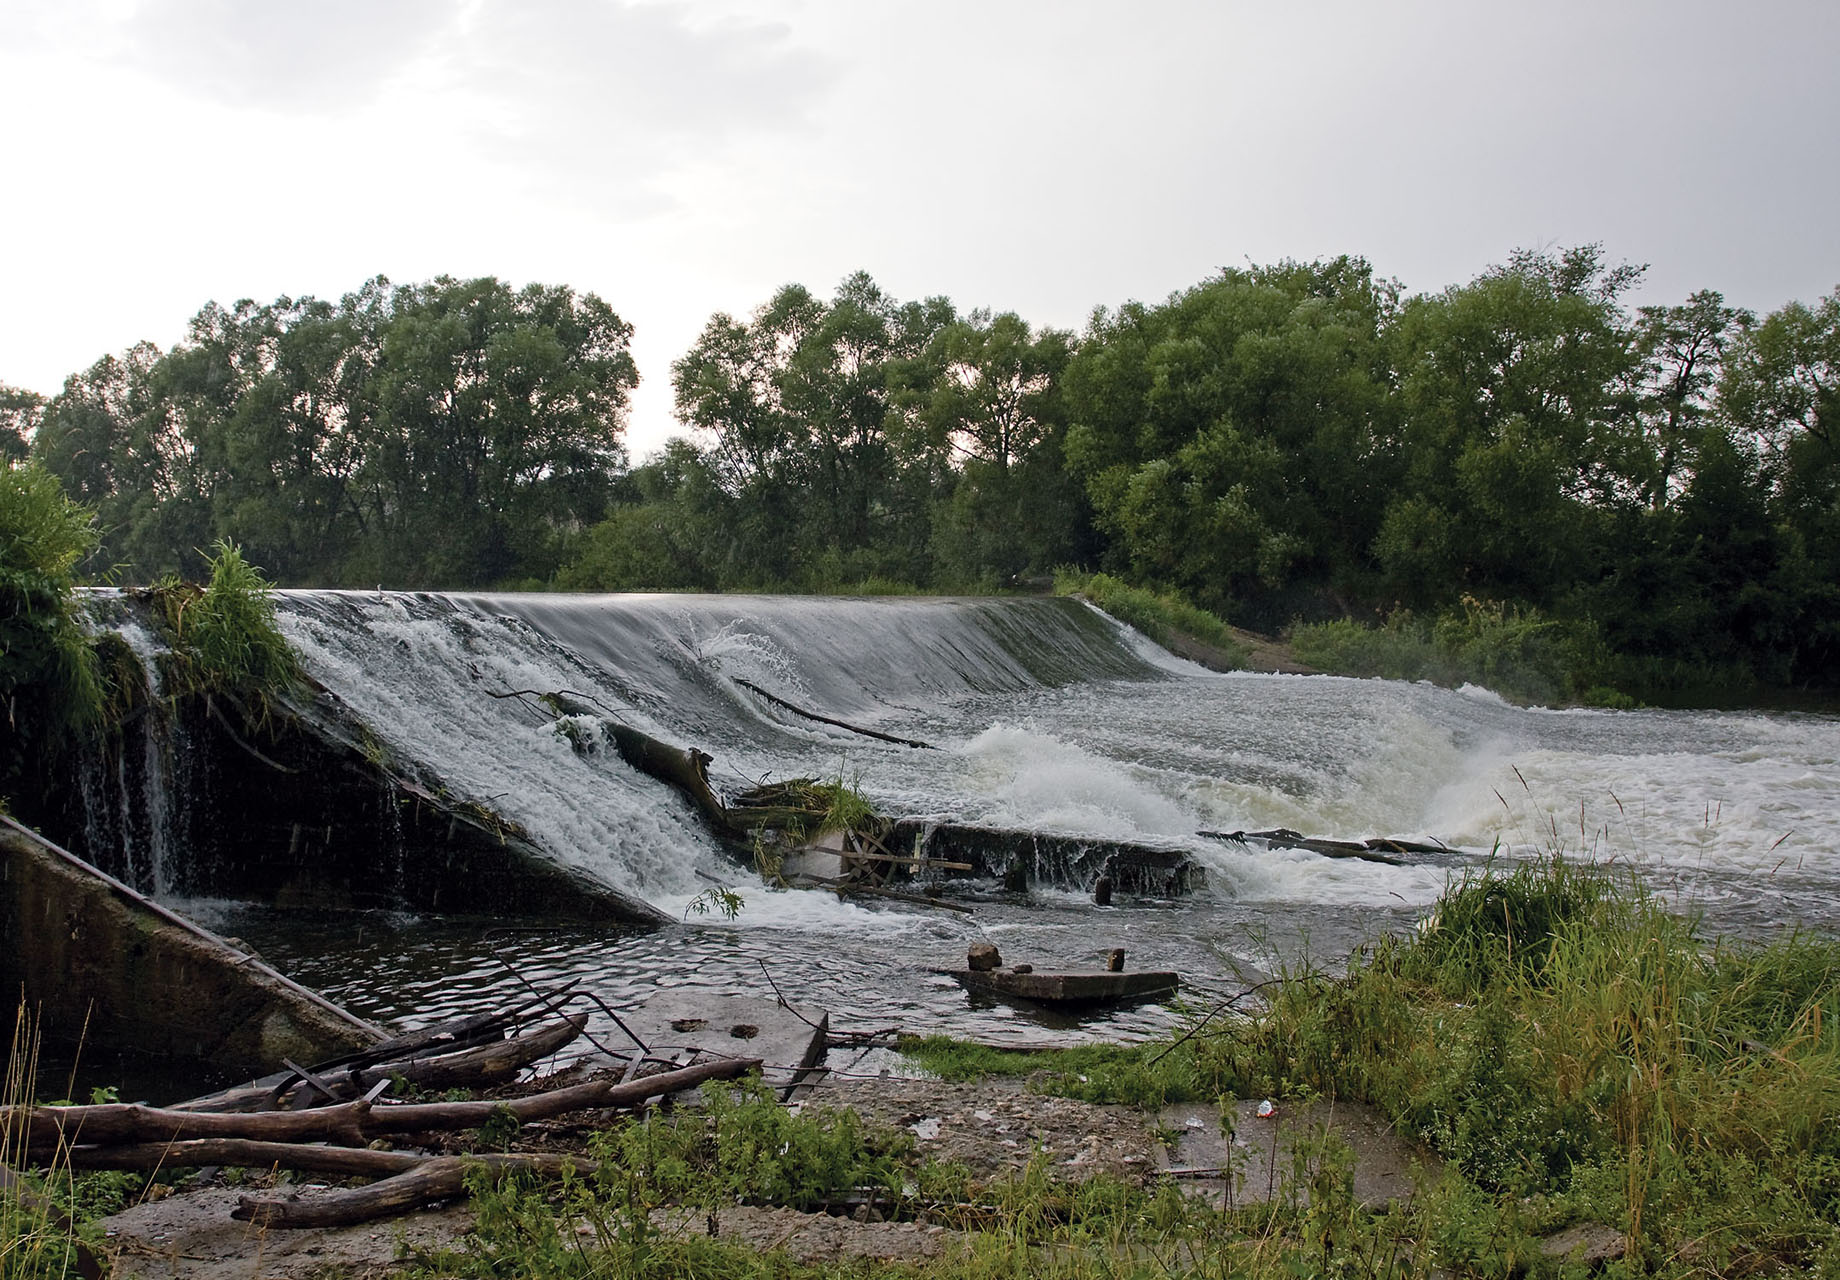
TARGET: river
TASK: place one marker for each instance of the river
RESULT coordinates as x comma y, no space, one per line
1048,716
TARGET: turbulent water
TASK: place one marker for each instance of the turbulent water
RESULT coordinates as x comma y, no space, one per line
1048,716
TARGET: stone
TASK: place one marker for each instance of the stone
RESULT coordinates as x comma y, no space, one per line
983,957
1589,1243
1254,1160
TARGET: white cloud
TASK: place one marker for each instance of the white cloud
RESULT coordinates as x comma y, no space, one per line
602,102
313,55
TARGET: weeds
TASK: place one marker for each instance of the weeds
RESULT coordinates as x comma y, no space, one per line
1158,615
223,635
1518,653
39,1235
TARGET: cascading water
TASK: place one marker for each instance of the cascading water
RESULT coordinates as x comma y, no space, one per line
127,789
1048,717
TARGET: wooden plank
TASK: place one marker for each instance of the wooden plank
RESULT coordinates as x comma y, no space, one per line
1069,988
901,859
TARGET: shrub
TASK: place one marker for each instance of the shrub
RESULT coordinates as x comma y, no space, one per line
223,634
50,692
1519,653
1159,615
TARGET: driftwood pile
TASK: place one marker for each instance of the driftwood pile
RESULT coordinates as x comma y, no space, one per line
326,1119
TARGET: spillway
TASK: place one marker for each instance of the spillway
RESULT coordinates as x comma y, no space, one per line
1049,717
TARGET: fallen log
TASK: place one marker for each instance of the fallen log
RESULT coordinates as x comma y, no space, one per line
437,1178
415,1117
443,1038
685,769
918,900
486,1065
349,1124
45,1127
492,1063
245,1153
777,701
1282,838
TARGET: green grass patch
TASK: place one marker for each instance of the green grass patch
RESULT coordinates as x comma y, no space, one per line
1159,615
1141,1076
1518,653
223,635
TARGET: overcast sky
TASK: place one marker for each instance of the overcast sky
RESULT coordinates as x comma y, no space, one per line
1041,156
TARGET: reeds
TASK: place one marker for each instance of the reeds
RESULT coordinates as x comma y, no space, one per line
37,1236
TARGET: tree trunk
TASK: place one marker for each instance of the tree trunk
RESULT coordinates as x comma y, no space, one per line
439,1178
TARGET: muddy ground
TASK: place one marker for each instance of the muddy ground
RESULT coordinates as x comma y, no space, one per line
994,1128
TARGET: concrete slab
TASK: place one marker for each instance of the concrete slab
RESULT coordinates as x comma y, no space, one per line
689,1026
102,965
1258,1159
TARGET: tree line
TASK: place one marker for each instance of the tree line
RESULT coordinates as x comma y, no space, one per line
1294,441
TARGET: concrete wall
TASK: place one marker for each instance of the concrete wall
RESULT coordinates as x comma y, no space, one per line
299,815
85,949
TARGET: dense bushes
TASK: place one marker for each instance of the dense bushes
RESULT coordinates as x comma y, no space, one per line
49,687
1558,1035
1160,615
1519,653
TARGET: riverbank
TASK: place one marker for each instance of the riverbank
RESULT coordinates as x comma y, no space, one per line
1554,1062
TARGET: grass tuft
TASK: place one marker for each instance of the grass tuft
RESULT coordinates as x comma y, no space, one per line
1159,615
223,634
1518,653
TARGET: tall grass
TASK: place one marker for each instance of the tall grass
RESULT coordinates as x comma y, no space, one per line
38,1238
223,634
1161,616
50,693
1519,653
1558,1034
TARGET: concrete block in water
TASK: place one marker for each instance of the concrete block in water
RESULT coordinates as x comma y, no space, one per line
101,964
1070,990
688,1026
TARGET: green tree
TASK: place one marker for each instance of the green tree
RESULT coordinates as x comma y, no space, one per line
1234,441
667,515
1679,354
804,413
1780,394
452,433
493,417
119,448
20,414
1513,428
985,426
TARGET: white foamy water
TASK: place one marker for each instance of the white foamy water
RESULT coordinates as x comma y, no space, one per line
1051,717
